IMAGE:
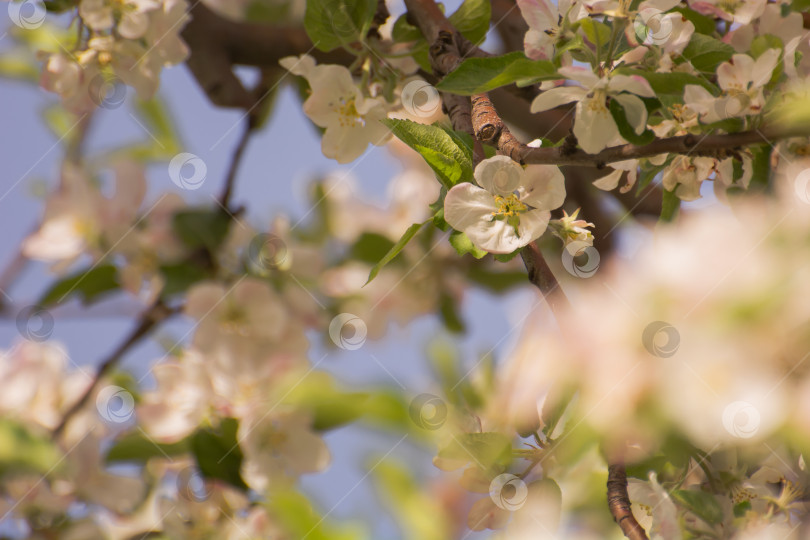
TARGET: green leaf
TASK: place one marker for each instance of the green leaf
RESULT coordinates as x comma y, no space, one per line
21,450
295,514
451,163
472,20
201,228
702,504
497,282
403,31
333,23
597,33
59,6
669,83
138,447
740,509
449,313
506,257
669,206
706,52
88,285
217,452
476,75
703,24
180,276
484,450
625,129
416,512
370,247
394,251
463,245
164,142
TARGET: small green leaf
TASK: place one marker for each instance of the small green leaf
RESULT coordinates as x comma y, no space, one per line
394,251
702,504
669,207
506,257
217,452
625,129
88,285
403,31
472,19
476,75
201,228
451,163
370,247
333,23
138,447
706,52
178,277
449,313
740,509
497,282
463,245
21,450
484,450
597,33
416,512
703,24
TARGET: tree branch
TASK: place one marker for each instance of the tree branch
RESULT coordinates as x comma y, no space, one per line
619,503
541,276
147,322
236,160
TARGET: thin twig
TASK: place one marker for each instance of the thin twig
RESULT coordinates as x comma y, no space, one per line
541,276
619,503
236,159
146,323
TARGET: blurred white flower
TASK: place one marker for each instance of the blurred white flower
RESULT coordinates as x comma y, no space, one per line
336,103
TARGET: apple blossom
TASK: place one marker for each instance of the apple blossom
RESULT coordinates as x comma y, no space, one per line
510,209
548,23
352,121
594,126
738,11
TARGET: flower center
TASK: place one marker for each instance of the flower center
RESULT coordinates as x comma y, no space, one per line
509,206
509,209
347,111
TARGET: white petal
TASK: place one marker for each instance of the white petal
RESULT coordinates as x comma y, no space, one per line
585,76
634,110
764,66
302,66
594,127
466,206
343,143
631,83
540,15
538,45
609,182
556,97
532,226
543,187
499,175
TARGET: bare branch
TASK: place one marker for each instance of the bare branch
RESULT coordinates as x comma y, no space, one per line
619,503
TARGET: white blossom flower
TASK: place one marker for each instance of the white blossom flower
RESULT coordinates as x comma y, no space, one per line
352,121
510,209
653,509
594,126
279,444
546,22
741,80
572,231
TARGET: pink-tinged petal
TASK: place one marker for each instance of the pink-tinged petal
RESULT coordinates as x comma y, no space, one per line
305,451
543,187
634,110
631,83
661,5
556,97
585,76
594,127
484,514
538,45
540,15
708,8
736,72
499,175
